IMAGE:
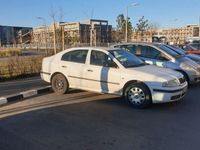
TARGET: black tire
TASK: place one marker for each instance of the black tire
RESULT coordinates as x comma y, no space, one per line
59,84
137,95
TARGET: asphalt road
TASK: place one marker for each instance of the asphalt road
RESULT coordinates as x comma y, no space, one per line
13,87
88,121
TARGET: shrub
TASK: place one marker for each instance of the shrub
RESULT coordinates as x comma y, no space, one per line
20,66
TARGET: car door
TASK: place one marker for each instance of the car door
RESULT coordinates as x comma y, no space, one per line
72,64
102,73
152,55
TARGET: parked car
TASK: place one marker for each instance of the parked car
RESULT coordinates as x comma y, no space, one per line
159,55
180,51
192,48
114,71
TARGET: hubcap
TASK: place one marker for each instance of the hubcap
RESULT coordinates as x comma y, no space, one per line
59,84
136,95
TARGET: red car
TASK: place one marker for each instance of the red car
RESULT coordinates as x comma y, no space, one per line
193,49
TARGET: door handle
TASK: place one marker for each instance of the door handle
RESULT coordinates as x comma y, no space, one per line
89,70
64,66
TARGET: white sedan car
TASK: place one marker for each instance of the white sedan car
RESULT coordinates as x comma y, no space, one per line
114,71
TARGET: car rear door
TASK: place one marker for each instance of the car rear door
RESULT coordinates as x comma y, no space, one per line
72,65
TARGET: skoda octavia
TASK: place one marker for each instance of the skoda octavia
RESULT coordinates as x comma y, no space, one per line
114,71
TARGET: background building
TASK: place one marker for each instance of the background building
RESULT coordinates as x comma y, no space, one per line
15,35
172,35
89,32
43,36
179,35
145,36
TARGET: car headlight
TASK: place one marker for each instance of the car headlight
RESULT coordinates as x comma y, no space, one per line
188,67
171,83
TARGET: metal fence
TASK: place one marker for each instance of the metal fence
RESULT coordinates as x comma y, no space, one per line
51,46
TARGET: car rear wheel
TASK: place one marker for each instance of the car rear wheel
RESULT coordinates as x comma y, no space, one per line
59,84
137,95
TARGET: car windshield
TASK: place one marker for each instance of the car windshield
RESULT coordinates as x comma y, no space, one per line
170,51
127,59
176,49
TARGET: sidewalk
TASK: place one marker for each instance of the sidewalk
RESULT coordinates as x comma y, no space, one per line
13,87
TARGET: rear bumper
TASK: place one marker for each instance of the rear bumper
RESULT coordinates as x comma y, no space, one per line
45,76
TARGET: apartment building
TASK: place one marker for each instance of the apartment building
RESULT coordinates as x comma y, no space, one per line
179,35
144,37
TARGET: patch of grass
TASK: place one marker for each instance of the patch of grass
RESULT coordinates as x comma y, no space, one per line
10,52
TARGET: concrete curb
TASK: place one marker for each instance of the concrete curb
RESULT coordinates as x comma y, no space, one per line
23,95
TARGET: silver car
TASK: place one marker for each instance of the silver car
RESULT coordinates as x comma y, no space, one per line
160,55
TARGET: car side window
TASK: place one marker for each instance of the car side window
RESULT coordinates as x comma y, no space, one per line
131,49
78,56
98,58
149,52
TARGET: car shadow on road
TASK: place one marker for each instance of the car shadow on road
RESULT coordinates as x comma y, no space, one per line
163,106
116,102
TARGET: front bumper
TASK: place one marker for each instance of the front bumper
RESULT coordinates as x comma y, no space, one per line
168,95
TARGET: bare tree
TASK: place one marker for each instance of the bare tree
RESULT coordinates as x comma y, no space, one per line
153,27
53,16
61,14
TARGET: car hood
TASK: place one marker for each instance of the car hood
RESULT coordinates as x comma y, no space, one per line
154,73
194,57
189,62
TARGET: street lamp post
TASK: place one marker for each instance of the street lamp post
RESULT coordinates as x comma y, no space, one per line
45,25
126,32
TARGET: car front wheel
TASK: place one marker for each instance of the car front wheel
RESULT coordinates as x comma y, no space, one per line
137,95
59,84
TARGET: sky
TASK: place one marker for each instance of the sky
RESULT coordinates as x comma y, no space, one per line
166,13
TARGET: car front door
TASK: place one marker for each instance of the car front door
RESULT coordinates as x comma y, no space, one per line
102,73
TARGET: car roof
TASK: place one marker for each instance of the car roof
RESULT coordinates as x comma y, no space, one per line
95,48
137,43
